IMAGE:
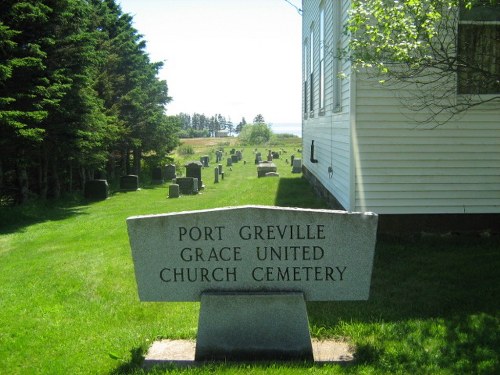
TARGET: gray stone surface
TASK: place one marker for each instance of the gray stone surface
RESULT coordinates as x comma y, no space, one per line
325,254
96,189
297,165
169,172
264,168
129,183
173,191
167,352
187,185
253,326
193,169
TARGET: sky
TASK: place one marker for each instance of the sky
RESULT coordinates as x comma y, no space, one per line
238,58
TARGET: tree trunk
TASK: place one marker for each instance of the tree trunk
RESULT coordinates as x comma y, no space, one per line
56,182
22,181
137,161
43,168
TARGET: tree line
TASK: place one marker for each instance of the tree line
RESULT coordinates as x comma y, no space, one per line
199,125
78,94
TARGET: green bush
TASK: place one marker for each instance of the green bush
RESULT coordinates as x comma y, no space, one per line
255,134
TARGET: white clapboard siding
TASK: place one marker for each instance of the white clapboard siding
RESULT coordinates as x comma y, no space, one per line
330,129
404,166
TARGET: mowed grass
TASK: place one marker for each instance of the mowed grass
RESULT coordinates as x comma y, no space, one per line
69,304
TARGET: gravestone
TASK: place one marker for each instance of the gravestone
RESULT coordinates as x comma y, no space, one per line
218,156
216,175
173,191
220,168
100,175
204,161
297,165
264,168
129,183
157,176
96,189
275,155
234,158
292,157
169,172
187,185
239,155
270,156
254,272
193,169
229,162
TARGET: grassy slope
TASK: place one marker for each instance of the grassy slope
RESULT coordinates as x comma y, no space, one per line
68,301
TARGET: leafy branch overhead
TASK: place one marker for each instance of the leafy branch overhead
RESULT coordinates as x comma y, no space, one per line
431,46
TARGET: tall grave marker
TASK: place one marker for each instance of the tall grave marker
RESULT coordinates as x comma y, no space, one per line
254,266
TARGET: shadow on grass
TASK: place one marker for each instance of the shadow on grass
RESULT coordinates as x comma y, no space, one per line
17,218
424,278
297,192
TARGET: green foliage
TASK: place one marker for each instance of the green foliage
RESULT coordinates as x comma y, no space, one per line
77,93
255,134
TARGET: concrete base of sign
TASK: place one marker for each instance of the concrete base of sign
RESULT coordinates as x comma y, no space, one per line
167,352
253,326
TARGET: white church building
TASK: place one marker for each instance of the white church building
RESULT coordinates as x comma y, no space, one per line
364,150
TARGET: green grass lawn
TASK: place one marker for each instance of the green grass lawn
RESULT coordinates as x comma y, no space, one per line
69,304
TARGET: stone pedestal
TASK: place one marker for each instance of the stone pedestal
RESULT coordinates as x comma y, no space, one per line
253,326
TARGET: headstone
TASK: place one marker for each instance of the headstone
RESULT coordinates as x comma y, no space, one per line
229,162
239,155
100,175
258,159
233,150
297,165
264,168
218,156
234,158
157,176
96,189
193,169
220,168
275,155
173,191
204,161
187,185
254,272
129,183
292,157
169,172
270,156
216,175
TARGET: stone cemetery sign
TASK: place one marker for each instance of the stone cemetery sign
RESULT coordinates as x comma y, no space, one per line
325,254
255,266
